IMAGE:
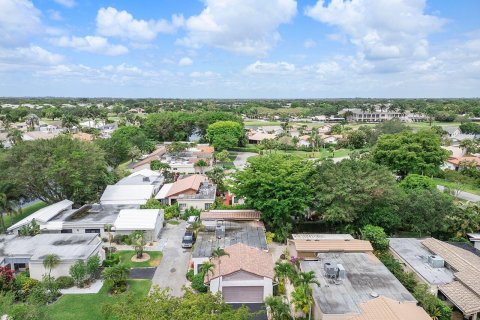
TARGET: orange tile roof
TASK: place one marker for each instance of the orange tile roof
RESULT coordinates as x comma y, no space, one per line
192,182
206,149
462,297
332,245
83,136
383,308
246,258
230,215
458,160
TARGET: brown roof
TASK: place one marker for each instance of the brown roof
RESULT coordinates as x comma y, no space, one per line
83,136
259,136
383,308
230,215
205,149
465,291
333,245
246,258
458,160
189,183
155,155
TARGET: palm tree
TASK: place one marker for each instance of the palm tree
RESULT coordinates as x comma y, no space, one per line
69,121
305,279
108,227
51,261
201,164
207,268
139,242
32,120
278,308
116,275
3,204
217,254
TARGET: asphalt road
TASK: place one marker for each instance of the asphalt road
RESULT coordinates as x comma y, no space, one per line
174,265
241,160
462,195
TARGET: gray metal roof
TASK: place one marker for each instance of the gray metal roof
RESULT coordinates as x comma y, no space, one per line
415,254
366,277
45,214
249,233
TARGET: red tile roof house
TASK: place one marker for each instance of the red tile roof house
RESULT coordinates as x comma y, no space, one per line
243,276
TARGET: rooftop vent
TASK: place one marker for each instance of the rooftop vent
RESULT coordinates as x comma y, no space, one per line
146,179
436,261
374,294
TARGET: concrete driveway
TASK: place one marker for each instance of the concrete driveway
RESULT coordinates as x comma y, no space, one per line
241,160
174,265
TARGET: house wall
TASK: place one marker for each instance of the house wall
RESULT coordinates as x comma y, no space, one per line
194,203
264,282
197,262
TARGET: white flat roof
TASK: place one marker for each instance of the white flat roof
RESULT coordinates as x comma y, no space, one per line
145,173
45,214
137,219
127,194
162,194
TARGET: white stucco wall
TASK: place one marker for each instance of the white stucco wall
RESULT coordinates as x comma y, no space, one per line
193,203
197,262
266,283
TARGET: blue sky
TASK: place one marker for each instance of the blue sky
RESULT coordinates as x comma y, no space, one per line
240,48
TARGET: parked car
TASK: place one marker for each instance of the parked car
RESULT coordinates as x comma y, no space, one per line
188,239
191,220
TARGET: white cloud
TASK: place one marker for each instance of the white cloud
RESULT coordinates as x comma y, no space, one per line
205,74
309,43
92,44
270,68
19,19
66,3
185,61
55,15
381,29
241,26
114,23
24,58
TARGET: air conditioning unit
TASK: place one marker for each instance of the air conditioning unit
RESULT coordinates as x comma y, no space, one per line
436,261
329,270
341,272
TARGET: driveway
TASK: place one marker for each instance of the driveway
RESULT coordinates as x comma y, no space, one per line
241,160
142,273
174,265
462,194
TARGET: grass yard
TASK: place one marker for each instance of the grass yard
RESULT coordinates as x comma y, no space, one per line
323,154
126,256
458,186
25,213
89,306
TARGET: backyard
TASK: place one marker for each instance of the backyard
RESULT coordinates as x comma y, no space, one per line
89,306
126,259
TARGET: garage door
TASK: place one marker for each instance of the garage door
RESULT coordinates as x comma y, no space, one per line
243,294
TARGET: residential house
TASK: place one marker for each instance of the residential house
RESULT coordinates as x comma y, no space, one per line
21,253
379,115
450,270
457,163
127,194
225,232
150,221
144,177
475,239
451,132
244,275
258,137
145,162
39,135
354,283
185,162
194,191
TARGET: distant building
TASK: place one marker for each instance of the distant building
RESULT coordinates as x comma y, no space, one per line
380,115
457,163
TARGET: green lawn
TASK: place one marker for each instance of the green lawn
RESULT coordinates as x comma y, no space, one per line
25,213
323,154
458,186
89,306
126,256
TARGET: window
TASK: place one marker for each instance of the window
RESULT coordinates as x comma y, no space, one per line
92,231
235,200
66,231
182,206
207,206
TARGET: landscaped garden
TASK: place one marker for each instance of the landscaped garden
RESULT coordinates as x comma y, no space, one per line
89,306
154,258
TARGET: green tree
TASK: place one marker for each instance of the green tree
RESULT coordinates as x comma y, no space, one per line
138,241
355,193
416,181
305,279
170,126
217,176
276,185
225,134
470,128
201,164
50,262
134,153
116,150
78,272
279,309
160,305
377,237
116,276
21,310
217,253
32,120
207,269
15,136
54,170
93,267
69,122
409,152
222,156
30,230
357,139
465,219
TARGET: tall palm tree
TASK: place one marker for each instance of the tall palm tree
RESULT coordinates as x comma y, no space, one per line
69,121
217,254
139,242
50,262
305,279
32,120
108,227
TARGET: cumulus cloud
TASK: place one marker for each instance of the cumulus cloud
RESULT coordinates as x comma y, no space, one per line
92,44
381,29
185,61
241,26
19,19
114,23
66,3
27,58
270,68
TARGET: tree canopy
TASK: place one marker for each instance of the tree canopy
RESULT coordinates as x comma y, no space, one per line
56,169
408,152
225,134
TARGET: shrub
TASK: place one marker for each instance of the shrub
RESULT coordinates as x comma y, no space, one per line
113,260
189,275
65,282
198,282
24,285
78,271
190,212
431,303
376,235
126,239
269,236
117,238
93,266
6,278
